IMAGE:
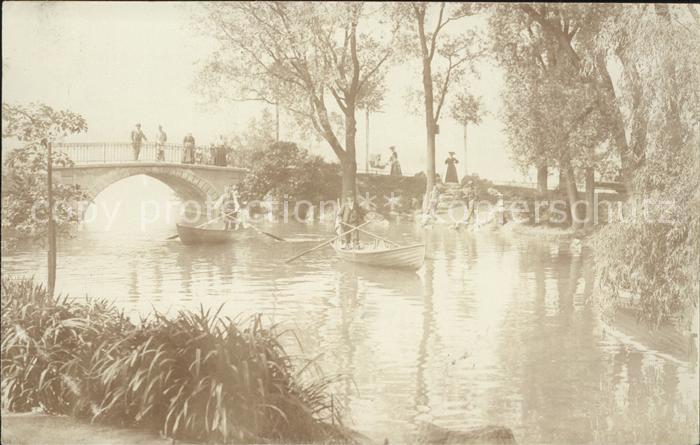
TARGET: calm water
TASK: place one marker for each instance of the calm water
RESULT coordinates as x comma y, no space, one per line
493,330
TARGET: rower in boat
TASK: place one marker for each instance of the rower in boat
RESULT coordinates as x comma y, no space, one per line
229,207
349,215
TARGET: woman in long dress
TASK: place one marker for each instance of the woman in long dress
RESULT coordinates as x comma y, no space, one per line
188,152
451,174
394,162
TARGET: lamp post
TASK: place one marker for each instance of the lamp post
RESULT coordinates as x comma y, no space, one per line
51,225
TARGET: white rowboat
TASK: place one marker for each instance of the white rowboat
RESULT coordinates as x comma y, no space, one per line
384,255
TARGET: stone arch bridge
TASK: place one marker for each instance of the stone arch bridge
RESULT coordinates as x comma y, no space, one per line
97,166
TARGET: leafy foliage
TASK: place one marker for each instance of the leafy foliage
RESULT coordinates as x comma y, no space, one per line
25,195
553,113
257,137
319,61
652,254
284,169
37,122
194,377
25,198
467,109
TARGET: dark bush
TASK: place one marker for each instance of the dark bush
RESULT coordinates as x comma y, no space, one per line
195,377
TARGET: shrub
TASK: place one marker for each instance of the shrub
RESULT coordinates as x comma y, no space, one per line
195,377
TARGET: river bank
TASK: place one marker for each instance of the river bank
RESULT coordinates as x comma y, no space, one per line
36,428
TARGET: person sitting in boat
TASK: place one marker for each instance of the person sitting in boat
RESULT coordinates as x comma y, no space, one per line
351,214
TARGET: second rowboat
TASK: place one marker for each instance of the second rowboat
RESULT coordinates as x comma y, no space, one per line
194,235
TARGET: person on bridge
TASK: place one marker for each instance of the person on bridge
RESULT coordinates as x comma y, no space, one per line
188,152
394,162
451,174
161,139
137,138
221,151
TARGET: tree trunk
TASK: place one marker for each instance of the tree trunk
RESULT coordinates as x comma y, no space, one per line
572,196
464,161
429,126
616,119
542,174
349,162
367,140
51,228
639,117
277,121
590,195
562,180
349,179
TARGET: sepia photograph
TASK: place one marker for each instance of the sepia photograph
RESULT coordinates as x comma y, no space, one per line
345,222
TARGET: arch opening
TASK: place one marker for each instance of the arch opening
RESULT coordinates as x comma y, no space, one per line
137,203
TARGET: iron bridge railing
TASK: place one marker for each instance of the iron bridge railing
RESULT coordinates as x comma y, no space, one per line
122,152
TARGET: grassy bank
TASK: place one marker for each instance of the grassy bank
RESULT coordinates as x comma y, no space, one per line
194,377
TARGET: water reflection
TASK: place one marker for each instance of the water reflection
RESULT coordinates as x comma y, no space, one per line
493,329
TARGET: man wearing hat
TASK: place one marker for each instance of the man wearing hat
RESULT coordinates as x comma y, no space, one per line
451,174
229,207
137,138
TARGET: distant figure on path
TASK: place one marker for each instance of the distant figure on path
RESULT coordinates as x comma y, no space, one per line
137,138
198,155
451,174
161,139
394,162
188,152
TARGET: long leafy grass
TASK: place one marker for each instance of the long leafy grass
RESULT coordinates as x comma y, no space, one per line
196,376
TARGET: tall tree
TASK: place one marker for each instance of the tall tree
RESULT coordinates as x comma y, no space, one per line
29,203
466,109
555,112
445,56
301,55
371,102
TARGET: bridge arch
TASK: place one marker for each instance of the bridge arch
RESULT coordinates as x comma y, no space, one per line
185,184
201,183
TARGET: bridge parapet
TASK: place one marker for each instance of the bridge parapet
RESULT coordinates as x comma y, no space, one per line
121,152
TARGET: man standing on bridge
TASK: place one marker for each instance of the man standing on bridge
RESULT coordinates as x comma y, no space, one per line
137,137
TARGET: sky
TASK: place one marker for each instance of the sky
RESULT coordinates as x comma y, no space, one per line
118,63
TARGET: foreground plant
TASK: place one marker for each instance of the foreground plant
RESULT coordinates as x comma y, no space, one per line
195,377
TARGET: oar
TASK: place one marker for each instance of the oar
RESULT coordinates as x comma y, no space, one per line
266,233
275,237
372,234
197,227
325,243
